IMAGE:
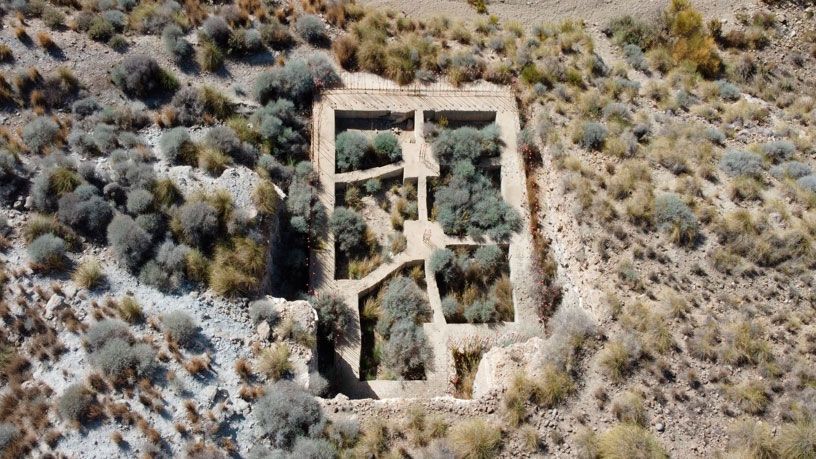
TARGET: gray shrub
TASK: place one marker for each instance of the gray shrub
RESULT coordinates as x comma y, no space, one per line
791,169
139,201
199,223
74,402
311,28
130,242
181,326
779,150
736,163
348,228
39,133
287,412
350,148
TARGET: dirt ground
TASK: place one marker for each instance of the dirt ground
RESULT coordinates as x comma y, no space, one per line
531,12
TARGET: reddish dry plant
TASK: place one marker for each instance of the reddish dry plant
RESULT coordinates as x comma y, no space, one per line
251,392
116,438
181,429
197,365
20,33
243,369
191,410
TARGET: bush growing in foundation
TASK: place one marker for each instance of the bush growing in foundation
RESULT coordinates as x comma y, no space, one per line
351,148
180,326
287,412
466,143
40,133
674,216
403,301
738,163
387,145
443,263
469,204
407,352
333,314
348,229
47,253
130,242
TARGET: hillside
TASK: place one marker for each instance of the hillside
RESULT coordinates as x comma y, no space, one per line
449,229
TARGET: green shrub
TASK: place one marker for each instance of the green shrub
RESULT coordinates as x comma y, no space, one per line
47,253
591,135
403,301
791,169
101,30
387,145
119,358
779,150
216,29
626,30
351,148
85,211
807,183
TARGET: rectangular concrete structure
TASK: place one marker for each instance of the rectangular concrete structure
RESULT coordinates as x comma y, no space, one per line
367,96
